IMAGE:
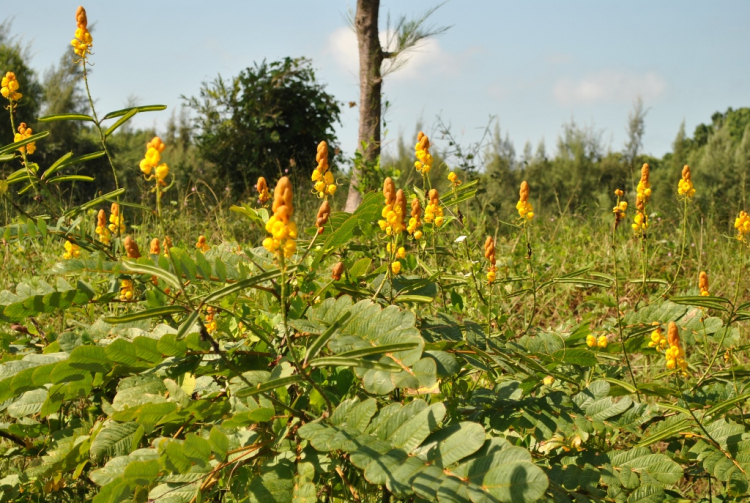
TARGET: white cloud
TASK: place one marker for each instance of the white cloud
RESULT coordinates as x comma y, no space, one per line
426,60
609,86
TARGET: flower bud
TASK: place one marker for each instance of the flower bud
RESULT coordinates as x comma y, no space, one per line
337,271
131,247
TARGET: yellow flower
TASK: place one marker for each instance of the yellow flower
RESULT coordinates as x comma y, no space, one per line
643,193
433,212
82,42
396,267
703,284
591,340
401,252
323,178
283,239
126,290
602,341
685,185
548,380
23,133
263,195
202,245
10,87
489,254
453,178
422,151
72,250
116,221
742,224
101,227
162,170
524,207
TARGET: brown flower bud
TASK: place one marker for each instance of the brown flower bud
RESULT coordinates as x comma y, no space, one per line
524,194
167,245
703,281
337,271
673,336
131,247
433,196
686,172
645,172
101,219
115,209
154,249
489,249
323,213
283,197
81,19
389,190
416,209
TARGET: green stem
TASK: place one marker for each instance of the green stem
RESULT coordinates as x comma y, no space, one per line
684,242
530,265
617,309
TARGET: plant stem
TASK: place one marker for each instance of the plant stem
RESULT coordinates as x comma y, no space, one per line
531,273
617,309
684,242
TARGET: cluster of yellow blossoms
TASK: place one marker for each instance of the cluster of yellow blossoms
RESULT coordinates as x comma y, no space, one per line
422,151
23,133
620,208
82,41
116,221
742,224
321,175
703,284
10,87
101,227
453,178
211,324
394,210
151,160
524,207
640,221
685,185
674,353
592,340
72,250
126,290
262,187
489,254
283,231
202,245
433,212
415,222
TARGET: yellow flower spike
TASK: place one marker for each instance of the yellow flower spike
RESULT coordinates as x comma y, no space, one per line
643,194
415,222
83,41
524,207
422,151
72,250
126,290
283,231
101,227
591,340
433,212
685,185
262,187
324,182
116,221
742,224
703,284
489,254
23,133
10,88
601,341
202,245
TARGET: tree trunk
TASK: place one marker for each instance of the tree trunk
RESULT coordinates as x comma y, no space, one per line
370,82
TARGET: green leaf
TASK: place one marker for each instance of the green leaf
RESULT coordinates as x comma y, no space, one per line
124,111
95,202
219,443
125,118
577,356
197,449
247,283
451,444
145,315
516,482
170,345
151,270
66,117
322,339
337,361
115,439
377,350
141,473
187,324
176,460
269,386
647,493
65,161
709,302
91,358
360,267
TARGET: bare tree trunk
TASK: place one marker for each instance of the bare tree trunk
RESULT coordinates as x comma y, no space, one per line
370,82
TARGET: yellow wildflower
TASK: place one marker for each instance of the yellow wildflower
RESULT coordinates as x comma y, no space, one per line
489,254
263,195
202,245
524,207
323,178
658,340
548,380
675,355
433,212
742,224
82,42
283,231
10,87
415,222
591,340
126,290
211,324
101,227
116,222
620,208
23,133
643,194
422,151
396,267
703,284
453,178
601,341
685,185
72,250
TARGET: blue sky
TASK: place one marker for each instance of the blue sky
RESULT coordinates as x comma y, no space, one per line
534,64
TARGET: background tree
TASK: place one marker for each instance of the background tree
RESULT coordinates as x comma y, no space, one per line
375,62
265,121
